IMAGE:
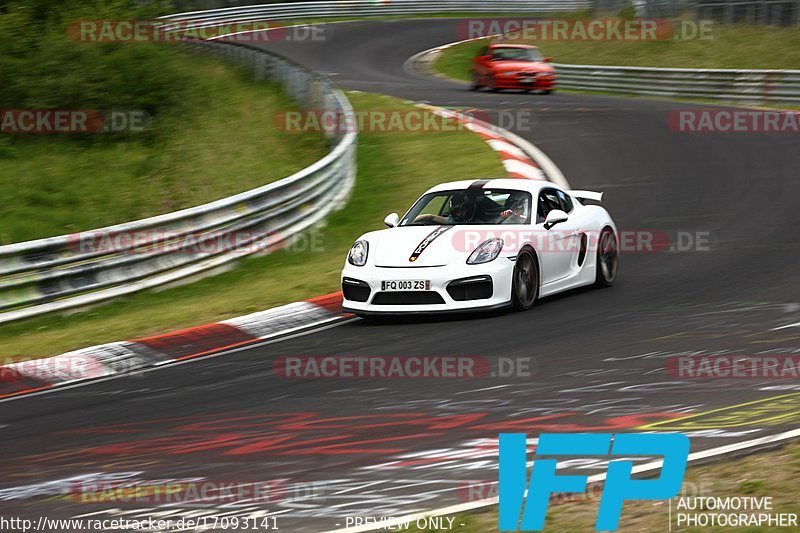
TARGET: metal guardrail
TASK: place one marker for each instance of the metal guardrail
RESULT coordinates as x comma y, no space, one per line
372,8
771,12
70,271
77,270
748,86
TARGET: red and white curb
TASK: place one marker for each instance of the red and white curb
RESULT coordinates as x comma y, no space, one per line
121,358
520,158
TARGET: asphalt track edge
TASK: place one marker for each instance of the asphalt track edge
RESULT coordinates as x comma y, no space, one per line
118,359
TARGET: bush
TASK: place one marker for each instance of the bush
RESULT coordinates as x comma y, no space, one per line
45,68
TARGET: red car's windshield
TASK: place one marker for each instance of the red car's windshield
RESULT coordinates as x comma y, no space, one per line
516,54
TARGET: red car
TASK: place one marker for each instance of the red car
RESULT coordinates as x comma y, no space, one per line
513,66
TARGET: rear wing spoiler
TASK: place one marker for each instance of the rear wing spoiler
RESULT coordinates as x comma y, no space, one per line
582,196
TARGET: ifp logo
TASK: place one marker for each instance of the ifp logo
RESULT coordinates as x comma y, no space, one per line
619,486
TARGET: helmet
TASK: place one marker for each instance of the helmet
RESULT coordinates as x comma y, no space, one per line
462,207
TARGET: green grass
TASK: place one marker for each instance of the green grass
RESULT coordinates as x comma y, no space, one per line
738,46
56,184
767,474
393,170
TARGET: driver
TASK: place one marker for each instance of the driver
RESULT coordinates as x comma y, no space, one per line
514,210
462,209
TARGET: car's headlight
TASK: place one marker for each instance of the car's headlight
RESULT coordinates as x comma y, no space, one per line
358,254
488,251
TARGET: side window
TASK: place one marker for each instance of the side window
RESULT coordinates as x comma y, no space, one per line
541,209
566,202
548,200
517,206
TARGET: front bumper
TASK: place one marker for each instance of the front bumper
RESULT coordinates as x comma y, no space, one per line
437,299
537,83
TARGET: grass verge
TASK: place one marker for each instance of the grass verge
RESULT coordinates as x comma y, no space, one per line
55,184
735,46
393,170
768,474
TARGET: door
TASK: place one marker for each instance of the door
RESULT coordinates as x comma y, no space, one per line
557,246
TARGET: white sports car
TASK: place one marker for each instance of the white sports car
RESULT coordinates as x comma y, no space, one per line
479,245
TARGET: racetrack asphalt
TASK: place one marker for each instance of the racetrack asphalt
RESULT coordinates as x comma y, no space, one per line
384,447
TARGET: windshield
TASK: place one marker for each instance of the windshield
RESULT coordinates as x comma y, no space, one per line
516,54
470,206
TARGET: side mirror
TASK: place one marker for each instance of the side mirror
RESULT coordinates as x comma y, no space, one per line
548,59
392,220
556,216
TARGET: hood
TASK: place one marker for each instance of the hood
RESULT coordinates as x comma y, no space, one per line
431,245
526,66
394,247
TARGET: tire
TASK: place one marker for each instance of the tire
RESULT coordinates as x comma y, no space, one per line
525,282
493,85
607,265
475,85
548,91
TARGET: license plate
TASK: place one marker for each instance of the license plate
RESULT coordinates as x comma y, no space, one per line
406,285
526,80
